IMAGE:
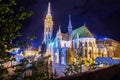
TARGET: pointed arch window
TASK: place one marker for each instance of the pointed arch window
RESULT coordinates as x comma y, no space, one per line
85,44
90,44
49,29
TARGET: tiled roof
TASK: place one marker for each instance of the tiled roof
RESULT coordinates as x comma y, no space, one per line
81,32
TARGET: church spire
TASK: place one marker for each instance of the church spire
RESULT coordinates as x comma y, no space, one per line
59,29
49,9
69,26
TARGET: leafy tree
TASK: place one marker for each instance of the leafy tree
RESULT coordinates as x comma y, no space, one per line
11,20
39,69
12,16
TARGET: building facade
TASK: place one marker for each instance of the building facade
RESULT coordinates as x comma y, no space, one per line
66,47
108,48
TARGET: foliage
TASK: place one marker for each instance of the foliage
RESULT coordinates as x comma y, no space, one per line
34,70
12,16
11,20
92,64
40,70
73,69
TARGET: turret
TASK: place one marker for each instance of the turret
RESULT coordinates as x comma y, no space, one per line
59,37
70,28
69,25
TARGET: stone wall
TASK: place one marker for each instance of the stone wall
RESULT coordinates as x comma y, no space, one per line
110,73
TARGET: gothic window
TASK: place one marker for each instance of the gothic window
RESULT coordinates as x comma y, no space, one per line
86,53
85,44
90,43
90,53
75,45
80,43
49,29
46,29
62,60
56,58
48,36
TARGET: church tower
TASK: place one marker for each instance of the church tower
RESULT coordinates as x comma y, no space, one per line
70,28
59,37
48,26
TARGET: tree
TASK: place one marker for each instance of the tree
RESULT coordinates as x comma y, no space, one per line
11,20
39,70
12,17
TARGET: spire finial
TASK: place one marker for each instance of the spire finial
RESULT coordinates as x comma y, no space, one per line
49,9
84,23
69,17
59,29
70,20
69,25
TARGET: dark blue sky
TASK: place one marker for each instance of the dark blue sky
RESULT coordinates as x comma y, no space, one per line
102,17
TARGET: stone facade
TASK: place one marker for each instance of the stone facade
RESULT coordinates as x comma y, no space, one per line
108,48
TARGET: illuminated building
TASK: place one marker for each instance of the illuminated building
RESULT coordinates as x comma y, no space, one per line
65,47
30,53
108,48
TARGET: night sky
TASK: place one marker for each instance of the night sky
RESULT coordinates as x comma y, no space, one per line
102,17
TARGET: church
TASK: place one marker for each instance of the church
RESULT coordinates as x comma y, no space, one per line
65,47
